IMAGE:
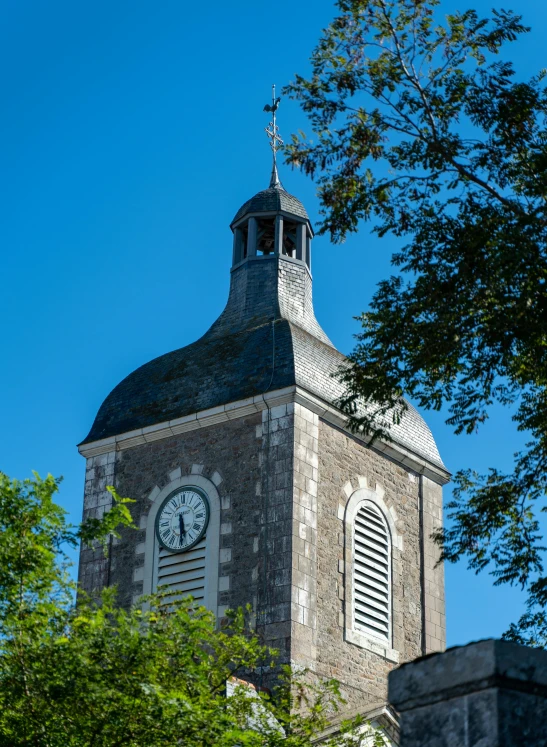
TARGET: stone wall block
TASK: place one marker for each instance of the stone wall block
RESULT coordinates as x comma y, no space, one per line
488,694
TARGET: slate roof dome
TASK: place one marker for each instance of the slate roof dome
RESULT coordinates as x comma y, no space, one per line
272,200
267,339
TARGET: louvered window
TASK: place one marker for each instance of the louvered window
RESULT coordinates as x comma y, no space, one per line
184,572
372,573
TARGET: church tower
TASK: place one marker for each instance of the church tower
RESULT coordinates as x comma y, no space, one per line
250,489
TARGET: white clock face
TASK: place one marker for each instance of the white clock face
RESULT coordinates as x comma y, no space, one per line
182,519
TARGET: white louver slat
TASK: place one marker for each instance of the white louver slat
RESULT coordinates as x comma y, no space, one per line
183,573
372,573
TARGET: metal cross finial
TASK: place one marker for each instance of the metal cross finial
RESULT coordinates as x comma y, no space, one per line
272,131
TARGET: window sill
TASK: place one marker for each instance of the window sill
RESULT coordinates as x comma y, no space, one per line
369,644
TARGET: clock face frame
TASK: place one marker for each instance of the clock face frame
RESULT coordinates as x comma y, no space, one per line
186,507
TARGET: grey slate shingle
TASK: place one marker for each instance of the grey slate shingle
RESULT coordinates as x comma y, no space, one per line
272,200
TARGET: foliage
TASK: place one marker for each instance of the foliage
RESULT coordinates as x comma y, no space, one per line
97,675
95,529
423,129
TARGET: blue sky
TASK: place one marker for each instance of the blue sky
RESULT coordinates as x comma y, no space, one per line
130,135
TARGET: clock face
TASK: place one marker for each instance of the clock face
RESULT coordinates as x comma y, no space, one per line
182,519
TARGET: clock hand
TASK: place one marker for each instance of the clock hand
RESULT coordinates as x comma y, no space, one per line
181,528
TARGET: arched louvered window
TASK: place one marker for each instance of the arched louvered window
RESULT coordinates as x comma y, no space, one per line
192,572
372,573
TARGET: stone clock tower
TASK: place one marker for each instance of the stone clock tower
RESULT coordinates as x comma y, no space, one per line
250,489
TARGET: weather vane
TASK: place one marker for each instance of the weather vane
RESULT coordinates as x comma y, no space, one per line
272,131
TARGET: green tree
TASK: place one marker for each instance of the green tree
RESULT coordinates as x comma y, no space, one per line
422,128
95,675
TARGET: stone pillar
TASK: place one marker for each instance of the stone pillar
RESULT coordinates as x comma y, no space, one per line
434,620
305,480
301,237
487,694
278,245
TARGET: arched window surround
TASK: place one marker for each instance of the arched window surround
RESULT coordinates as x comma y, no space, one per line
357,499
213,536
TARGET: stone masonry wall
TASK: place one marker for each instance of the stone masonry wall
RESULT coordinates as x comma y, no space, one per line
289,487
363,674
268,517
268,500
305,486
230,449
94,568
274,496
284,478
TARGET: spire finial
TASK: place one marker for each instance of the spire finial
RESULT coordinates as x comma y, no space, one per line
272,131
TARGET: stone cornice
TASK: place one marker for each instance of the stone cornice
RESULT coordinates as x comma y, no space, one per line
241,408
